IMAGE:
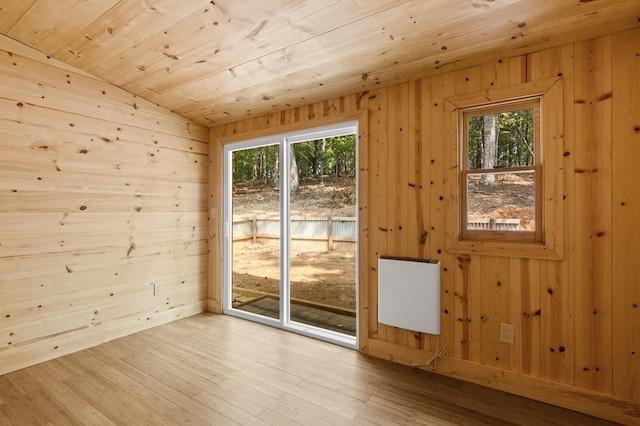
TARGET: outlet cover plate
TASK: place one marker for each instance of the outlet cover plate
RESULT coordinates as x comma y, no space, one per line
507,333
157,289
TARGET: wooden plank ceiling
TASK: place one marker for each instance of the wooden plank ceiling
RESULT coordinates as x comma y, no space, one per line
221,61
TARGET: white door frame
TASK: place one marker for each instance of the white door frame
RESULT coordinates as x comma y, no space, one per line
285,140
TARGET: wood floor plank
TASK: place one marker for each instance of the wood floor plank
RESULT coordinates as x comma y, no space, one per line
213,369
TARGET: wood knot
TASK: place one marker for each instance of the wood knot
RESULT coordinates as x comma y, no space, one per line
423,237
605,96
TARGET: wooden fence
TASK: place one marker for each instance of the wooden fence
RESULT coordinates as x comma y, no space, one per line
307,233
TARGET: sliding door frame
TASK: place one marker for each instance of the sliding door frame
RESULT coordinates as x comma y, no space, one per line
285,141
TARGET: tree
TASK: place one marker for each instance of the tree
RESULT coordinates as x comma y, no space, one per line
295,180
489,148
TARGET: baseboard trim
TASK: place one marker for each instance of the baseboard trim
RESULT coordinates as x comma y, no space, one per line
562,395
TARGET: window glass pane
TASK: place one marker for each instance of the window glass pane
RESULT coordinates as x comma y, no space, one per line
501,139
255,258
501,201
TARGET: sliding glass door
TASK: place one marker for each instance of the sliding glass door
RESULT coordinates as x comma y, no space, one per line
291,232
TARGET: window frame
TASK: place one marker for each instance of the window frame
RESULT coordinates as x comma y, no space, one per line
551,240
534,103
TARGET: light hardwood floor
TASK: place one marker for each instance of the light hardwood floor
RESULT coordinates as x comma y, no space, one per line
218,370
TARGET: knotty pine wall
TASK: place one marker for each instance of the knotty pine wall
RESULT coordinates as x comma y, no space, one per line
578,319
102,194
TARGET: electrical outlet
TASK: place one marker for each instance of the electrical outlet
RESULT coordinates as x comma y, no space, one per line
507,332
157,289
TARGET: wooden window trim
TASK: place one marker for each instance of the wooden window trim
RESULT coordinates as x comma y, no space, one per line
493,235
549,244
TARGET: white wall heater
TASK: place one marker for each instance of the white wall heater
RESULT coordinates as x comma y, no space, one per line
409,293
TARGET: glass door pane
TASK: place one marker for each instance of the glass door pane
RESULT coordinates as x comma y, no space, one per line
255,231
322,234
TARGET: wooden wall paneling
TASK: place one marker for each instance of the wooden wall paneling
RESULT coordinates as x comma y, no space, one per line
114,293
60,159
626,210
57,346
40,288
518,269
559,283
31,322
13,47
399,209
79,271
43,201
365,274
509,72
215,213
393,202
593,188
399,174
96,206
78,123
61,241
307,112
441,158
55,95
414,220
378,229
530,312
468,81
495,297
424,194
474,292
44,79
419,192
492,309
554,305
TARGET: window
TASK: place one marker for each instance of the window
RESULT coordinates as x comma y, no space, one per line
504,183
501,172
